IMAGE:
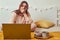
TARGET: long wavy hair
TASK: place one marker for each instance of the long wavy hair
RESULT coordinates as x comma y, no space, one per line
18,12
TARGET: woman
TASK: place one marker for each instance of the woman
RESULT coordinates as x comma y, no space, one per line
22,16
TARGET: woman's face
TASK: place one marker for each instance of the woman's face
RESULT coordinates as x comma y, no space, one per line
23,8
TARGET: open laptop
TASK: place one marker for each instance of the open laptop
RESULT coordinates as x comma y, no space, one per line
16,31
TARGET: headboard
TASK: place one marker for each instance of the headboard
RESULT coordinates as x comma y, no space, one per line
46,14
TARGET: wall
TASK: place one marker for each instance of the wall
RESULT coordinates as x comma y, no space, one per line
48,7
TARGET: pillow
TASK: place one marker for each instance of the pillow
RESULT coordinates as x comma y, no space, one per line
44,24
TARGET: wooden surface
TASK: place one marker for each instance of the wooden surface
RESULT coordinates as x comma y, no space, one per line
56,36
1,36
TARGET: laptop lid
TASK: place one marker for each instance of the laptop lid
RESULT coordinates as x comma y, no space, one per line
16,31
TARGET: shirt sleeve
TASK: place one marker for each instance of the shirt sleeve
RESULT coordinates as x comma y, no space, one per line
13,17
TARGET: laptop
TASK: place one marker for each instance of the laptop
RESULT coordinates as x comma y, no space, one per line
16,31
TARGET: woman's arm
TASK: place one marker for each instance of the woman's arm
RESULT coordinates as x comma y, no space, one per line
14,17
33,25
28,19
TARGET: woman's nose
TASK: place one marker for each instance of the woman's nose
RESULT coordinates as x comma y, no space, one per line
23,7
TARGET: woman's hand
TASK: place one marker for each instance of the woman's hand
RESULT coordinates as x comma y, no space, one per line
30,21
33,26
